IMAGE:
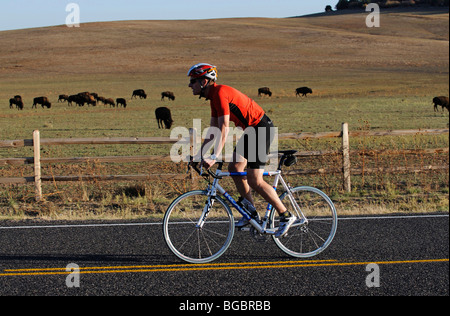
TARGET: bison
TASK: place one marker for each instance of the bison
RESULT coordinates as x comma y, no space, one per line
89,99
43,101
265,91
75,98
81,99
63,98
100,99
110,102
121,101
167,94
442,101
139,93
17,101
303,91
163,117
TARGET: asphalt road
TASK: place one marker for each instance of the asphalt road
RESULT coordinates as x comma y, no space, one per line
411,256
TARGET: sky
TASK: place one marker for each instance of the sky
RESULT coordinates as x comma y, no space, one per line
19,14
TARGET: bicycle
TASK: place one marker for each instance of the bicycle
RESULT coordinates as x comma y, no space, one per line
198,226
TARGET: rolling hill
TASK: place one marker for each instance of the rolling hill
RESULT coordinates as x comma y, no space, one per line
406,41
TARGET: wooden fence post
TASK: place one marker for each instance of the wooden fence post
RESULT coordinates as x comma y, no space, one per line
346,158
37,165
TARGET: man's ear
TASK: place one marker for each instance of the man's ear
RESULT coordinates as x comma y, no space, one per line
204,82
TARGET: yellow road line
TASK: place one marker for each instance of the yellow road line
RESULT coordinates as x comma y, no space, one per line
173,265
207,267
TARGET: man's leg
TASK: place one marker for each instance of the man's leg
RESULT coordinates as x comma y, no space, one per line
238,165
256,182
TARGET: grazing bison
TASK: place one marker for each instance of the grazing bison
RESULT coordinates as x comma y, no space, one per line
88,98
81,99
163,117
303,91
63,98
17,101
75,98
167,94
265,91
101,99
110,102
121,101
43,101
442,101
139,93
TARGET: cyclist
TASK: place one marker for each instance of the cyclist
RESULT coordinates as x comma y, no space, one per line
228,104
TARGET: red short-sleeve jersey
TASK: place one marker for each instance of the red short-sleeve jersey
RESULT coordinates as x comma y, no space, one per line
225,100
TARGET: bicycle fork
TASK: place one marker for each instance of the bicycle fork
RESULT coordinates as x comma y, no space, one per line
208,205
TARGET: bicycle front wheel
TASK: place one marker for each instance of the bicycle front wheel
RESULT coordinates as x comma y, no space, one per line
198,228
316,226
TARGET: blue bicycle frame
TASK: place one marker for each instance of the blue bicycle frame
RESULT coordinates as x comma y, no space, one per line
217,188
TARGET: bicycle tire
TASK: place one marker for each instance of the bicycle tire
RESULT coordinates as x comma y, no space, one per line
191,243
310,239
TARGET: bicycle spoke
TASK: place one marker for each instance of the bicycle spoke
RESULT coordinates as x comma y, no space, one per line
202,244
316,233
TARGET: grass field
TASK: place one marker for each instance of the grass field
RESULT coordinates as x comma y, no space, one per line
375,79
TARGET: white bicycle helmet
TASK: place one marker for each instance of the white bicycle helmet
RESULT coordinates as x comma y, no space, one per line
203,70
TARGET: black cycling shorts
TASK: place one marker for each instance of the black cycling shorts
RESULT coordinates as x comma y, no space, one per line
254,145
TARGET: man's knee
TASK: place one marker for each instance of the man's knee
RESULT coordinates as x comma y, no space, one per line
236,167
232,167
255,182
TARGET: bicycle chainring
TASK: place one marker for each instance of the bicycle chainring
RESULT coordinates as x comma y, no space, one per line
257,236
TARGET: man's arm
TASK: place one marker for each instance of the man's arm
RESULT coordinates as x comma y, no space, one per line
218,132
208,141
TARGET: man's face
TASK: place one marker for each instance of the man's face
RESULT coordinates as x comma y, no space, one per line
196,86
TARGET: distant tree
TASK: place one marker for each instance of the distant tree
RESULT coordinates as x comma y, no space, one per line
328,8
342,5
352,4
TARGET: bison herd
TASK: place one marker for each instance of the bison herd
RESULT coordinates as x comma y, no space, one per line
163,115
83,98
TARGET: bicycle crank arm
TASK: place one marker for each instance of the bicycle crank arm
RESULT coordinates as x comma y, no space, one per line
300,222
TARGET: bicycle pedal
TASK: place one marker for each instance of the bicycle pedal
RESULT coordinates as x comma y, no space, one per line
243,229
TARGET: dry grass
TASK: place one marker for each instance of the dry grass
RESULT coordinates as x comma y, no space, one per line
300,46
385,76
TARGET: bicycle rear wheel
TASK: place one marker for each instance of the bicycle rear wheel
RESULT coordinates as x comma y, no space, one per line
193,236
308,239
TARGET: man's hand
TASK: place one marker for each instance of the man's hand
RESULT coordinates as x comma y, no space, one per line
208,163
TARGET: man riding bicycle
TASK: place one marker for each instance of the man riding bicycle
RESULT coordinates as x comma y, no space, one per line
229,104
